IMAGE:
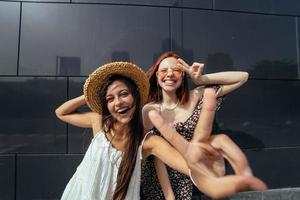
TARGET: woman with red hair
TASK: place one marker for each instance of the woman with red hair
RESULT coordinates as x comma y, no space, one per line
180,107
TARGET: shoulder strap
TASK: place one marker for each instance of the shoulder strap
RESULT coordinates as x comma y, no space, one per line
142,143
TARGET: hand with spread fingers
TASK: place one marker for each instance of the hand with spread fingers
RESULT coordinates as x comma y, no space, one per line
204,154
195,71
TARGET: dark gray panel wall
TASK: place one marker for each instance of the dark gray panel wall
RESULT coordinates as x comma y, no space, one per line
278,167
44,176
48,47
197,3
42,1
298,23
287,7
62,39
136,2
263,114
27,121
7,174
237,41
9,37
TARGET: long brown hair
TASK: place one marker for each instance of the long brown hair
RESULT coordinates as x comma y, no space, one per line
155,93
135,136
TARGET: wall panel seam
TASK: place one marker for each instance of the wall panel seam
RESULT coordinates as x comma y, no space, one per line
19,39
297,45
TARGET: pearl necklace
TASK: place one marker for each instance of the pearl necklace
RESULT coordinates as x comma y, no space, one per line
162,107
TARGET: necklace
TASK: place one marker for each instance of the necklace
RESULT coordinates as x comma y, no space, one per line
162,107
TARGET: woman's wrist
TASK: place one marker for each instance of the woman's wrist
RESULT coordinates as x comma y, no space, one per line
201,80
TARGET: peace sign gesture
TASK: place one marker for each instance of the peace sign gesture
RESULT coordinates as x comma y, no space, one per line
195,71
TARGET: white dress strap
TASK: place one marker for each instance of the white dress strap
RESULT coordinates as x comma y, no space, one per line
142,143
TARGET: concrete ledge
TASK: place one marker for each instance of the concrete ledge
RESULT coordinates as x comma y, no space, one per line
273,194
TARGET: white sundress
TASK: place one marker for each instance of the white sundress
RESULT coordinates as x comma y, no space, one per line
96,176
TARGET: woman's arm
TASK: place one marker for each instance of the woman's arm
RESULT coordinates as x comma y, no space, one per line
146,121
160,167
163,178
230,80
159,147
68,113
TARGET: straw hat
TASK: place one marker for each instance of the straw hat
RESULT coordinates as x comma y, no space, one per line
93,83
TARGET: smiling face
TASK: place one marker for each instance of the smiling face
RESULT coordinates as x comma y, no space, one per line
120,102
169,76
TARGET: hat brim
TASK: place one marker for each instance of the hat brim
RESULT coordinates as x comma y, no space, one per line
94,82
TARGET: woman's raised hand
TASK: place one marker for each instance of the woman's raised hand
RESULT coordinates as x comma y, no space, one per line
195,71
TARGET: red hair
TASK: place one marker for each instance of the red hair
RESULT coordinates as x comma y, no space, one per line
155,93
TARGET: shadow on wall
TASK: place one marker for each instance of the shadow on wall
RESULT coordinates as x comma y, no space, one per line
241,138
172,45
20,93
120,56
67,65
263,69
274,68
219,62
